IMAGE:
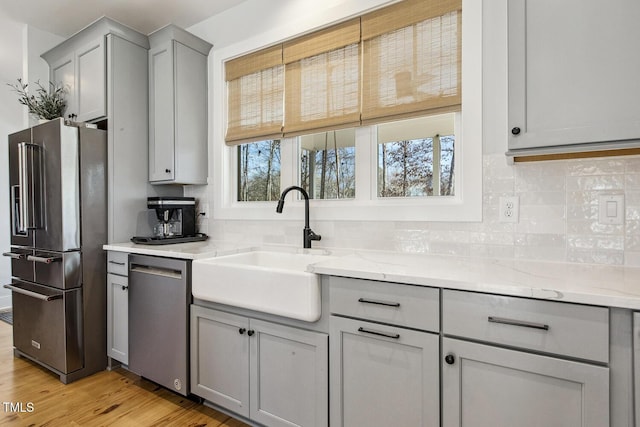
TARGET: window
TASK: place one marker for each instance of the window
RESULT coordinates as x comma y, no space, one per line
416,157
259,171
346,180
328,164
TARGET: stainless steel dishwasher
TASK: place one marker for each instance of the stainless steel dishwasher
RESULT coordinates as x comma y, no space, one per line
159,299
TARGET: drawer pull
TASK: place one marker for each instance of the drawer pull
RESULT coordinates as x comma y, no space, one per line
382,334
378,302
13,255
44,259
117,263
514,322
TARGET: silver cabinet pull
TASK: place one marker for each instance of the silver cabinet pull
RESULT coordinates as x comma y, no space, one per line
43,260
379,333
13,255
514,322
379,302
32,294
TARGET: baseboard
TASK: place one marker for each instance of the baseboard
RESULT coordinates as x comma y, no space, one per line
5,302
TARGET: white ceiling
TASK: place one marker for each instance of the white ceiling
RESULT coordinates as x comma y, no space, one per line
66,17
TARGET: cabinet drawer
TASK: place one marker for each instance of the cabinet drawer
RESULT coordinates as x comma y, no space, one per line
552,327
117,263
393,303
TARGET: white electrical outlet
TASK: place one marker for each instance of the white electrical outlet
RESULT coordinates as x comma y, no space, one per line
509,209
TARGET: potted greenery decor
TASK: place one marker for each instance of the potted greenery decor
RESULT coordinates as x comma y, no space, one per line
45,105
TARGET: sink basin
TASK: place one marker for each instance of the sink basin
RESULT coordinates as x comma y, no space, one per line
267,281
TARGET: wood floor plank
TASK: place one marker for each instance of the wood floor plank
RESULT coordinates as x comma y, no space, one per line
108,398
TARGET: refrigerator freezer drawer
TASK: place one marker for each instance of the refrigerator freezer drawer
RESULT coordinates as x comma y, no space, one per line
20,267
47,325
61,270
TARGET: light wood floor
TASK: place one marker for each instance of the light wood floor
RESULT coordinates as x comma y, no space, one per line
115,398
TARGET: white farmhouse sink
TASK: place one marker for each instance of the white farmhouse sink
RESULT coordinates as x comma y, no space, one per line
267,281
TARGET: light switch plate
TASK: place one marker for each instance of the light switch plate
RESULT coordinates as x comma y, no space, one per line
611,209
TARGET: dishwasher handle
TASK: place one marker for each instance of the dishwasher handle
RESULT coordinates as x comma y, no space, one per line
156,271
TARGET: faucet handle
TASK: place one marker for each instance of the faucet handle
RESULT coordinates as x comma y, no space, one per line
314,236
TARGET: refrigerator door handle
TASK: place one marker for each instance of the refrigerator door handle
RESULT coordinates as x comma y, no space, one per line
29,187
16,219
32,294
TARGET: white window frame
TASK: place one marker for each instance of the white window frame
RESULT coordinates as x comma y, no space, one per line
464,206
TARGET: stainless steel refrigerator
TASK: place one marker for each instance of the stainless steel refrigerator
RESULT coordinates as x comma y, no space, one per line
58,210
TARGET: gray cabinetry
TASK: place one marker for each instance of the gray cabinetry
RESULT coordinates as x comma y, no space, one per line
273,374
82,71
106,68
569,84
117,307
383,373
178,107
530,363
492,386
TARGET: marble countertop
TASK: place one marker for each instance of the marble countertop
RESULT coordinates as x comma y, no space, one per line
193,250
605,285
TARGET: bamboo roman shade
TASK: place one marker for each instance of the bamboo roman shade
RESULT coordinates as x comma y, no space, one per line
412,59
255,88
322,80
402,60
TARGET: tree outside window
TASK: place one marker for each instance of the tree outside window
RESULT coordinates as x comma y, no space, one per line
259,171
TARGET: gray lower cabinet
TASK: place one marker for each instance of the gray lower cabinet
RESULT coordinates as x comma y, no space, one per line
383,375
385,354
117,307
510,361
273,374
484,385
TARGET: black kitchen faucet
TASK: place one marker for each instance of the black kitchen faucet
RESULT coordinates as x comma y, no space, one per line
307,234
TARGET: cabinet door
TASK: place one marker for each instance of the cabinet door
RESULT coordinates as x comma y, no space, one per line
190,115
91,81
118,318
63,73
220,358
383,376
161,108
289,376
490,386
569,84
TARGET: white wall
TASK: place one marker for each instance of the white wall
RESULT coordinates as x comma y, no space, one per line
11,120
558,212
19,50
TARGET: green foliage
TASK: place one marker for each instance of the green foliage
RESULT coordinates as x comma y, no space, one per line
43,104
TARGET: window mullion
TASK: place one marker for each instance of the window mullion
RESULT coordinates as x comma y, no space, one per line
290,162
366,179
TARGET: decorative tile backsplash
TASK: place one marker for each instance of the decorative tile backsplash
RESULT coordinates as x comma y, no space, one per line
559,209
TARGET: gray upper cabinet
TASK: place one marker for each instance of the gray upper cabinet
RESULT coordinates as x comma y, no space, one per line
82,71
177,107
106,69
81,62
573,74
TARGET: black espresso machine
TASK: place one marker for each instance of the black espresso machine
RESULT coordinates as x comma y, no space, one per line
176,221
